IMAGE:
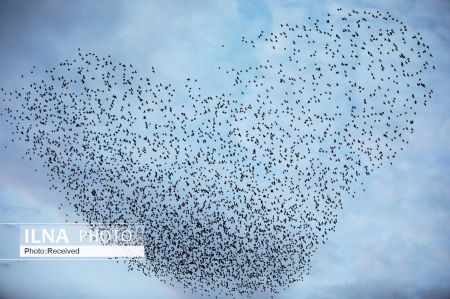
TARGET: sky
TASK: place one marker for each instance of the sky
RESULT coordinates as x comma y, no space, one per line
392,241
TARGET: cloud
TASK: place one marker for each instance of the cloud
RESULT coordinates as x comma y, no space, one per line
384,289
392,242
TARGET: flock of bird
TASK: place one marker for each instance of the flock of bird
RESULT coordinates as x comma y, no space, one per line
236,190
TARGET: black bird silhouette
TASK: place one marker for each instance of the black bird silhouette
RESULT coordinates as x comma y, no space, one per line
237,189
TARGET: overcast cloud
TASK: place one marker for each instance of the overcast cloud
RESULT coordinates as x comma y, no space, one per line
391,242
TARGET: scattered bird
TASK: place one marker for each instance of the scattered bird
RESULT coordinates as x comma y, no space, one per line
236,190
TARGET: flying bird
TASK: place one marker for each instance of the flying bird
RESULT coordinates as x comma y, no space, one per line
238,189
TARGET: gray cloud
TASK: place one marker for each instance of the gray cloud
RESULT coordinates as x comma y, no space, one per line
392,242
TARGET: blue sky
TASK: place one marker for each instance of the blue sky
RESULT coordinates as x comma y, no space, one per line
391,241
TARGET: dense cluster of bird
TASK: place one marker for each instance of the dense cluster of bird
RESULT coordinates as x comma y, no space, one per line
236,190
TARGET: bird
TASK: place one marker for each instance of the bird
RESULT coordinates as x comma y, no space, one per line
236,190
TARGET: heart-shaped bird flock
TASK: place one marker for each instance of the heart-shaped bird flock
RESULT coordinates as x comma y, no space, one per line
236,189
